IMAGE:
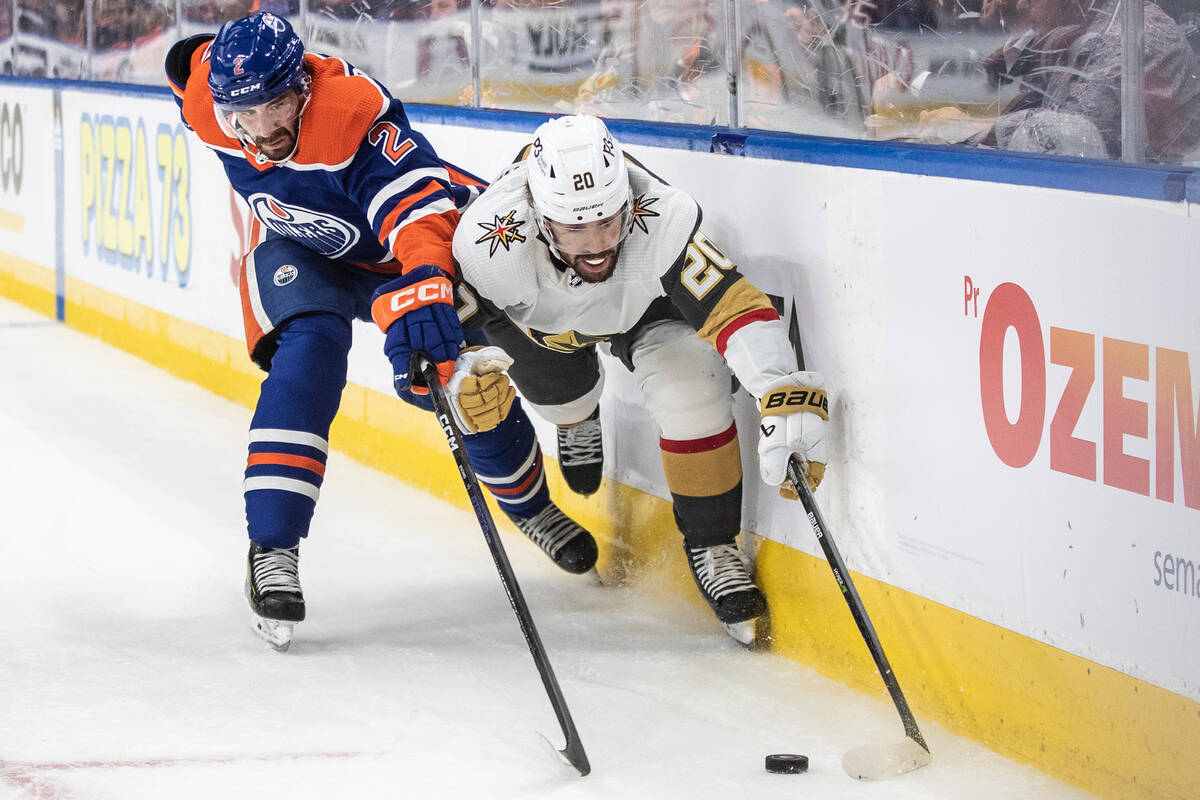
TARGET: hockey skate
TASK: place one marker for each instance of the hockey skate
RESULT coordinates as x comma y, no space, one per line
722,573
273,590
581,455
563,539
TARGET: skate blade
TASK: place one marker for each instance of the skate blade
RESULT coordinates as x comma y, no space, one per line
274,632
876,762
742,632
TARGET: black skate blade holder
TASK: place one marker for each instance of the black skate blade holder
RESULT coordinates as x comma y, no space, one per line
573,752
870,762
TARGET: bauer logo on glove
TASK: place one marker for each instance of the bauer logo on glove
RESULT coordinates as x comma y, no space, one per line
789,400
795,414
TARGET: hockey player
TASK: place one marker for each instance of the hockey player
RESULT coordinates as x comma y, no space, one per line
358,212
583,245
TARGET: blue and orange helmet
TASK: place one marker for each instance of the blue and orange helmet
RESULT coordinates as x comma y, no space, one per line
254,60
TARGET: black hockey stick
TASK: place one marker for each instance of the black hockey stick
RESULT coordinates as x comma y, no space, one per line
870,762
573,753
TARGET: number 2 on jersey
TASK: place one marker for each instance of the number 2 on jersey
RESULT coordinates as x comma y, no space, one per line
389,135
703,266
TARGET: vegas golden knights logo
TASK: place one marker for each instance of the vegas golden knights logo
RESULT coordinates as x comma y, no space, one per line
566,342
501,232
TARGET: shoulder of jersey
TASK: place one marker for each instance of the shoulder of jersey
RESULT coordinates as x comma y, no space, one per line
655,199
344,106
197,104
496,241
664,219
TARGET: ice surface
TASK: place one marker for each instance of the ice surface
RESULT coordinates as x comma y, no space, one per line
128,668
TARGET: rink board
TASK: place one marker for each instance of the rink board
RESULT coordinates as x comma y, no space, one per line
1015,476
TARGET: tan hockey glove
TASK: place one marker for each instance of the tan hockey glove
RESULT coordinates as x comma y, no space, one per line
481,390
795,413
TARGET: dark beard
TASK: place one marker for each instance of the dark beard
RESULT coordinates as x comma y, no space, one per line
280,152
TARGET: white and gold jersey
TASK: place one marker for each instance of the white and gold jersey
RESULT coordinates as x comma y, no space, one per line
504,260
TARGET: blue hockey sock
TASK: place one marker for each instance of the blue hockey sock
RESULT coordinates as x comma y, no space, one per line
289,432
508,461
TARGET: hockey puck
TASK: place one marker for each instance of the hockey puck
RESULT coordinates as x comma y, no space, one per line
787,763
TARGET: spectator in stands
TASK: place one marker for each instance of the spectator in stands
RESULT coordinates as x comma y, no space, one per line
444,49
1068,65
807,26
690,28
282,7
219,10
63,21
121,24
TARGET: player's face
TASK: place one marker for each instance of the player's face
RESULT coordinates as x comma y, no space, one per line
273,126
590,248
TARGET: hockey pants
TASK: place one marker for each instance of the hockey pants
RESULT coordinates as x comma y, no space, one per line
289,435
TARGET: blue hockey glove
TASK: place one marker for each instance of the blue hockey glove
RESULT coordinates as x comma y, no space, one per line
416,313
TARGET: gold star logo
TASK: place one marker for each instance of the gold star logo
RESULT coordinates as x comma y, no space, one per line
501,232
641,210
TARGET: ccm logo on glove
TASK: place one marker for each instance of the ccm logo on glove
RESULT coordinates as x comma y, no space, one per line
416,313
788,400
433,290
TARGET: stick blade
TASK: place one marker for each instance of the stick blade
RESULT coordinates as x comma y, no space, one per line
574,764
876,762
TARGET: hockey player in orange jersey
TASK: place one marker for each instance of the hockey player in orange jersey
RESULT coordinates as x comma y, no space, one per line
354,216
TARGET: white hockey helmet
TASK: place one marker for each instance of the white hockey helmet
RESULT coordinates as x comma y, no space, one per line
577,175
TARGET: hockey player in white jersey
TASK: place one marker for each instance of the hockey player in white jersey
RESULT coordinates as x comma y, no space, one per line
578,244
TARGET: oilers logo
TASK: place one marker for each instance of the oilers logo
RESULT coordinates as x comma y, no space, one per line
323,233
273,22
286,274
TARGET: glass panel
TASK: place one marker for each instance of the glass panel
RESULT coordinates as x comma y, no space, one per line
647,59
1172,82
431,49
681,67
1066,62
51,39
131,42
926,68
1031,75
419,49
207,15
801,68
538,53
881,69
355,30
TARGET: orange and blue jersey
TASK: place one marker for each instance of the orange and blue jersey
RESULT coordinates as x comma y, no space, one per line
362,187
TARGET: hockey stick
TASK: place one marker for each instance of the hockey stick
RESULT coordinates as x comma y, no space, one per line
573,753
870,762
